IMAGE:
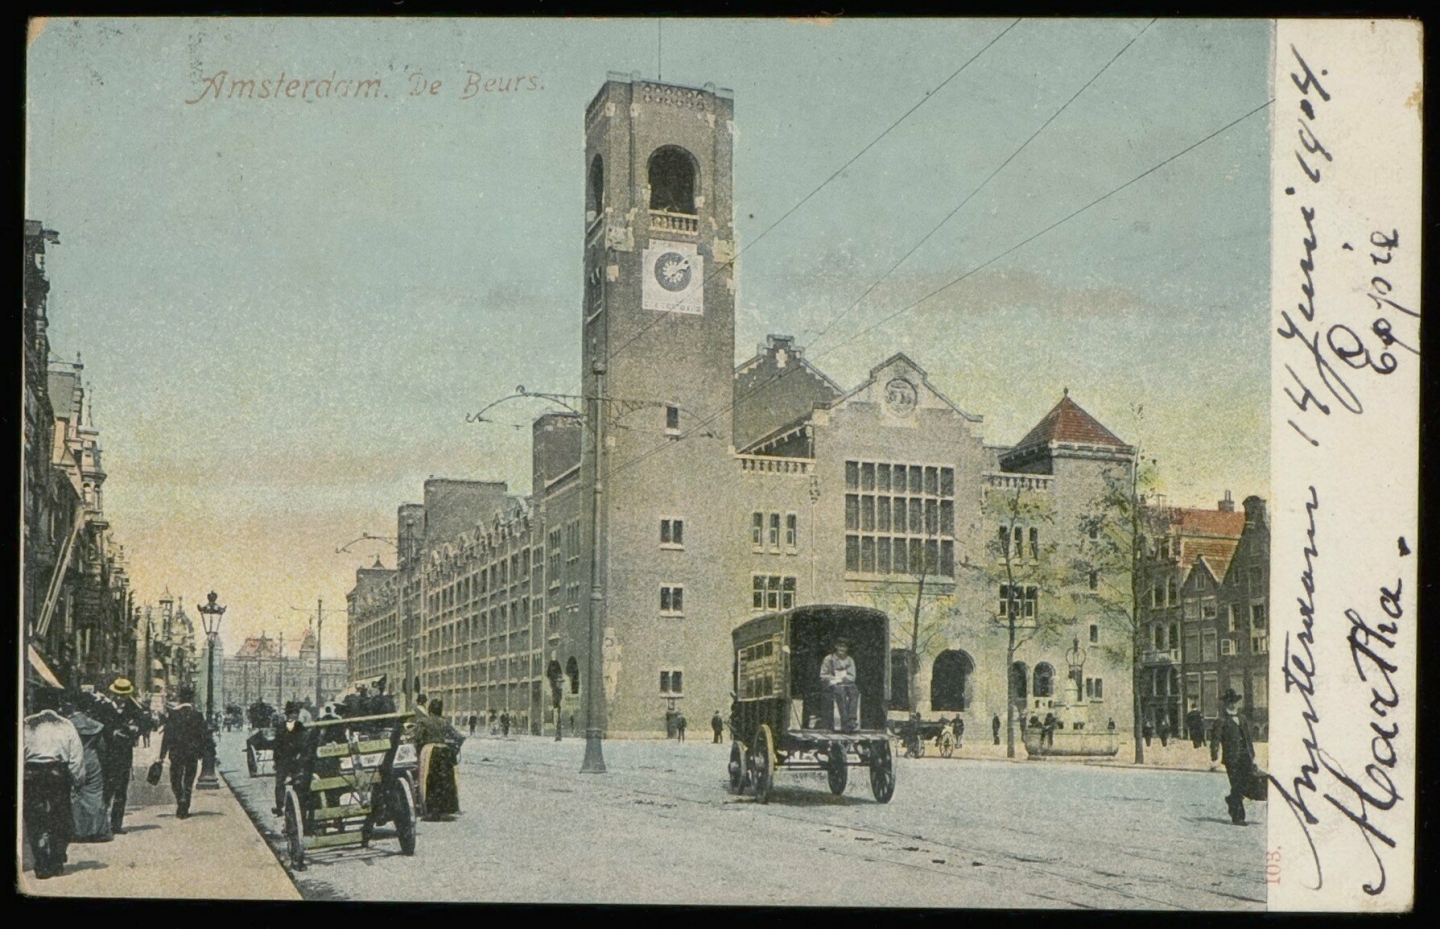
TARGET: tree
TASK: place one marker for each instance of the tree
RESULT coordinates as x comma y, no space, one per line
1034,602
1112,552
921,628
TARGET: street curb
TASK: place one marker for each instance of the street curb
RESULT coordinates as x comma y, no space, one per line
260,832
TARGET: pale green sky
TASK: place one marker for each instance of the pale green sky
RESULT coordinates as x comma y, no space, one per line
286,307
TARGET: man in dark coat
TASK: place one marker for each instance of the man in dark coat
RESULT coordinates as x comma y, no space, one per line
995,727
717,726
125,722
290,743
958,727
1231,745
1195,724
505,724
184,743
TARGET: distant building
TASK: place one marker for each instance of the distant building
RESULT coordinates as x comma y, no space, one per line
263,669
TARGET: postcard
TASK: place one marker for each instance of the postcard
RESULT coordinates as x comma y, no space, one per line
947,463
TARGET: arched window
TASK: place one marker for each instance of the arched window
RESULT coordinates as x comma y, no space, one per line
673,180
951,681
595,190
1019,679
572,671
1044,680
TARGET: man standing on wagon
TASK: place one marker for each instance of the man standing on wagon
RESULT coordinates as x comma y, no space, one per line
837,674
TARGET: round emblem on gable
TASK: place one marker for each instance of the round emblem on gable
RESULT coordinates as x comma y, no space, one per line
672,271
900,396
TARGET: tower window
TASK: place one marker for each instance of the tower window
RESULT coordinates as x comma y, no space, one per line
672,180
672,419
595,190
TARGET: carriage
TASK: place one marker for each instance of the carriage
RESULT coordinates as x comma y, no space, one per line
783,717
351,779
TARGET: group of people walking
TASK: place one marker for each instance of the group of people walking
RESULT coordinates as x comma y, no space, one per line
79,754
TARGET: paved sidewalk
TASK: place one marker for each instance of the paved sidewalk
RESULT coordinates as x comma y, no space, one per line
215,853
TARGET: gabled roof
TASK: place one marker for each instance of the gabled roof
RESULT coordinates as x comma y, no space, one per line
1208,522
901,360
1068,424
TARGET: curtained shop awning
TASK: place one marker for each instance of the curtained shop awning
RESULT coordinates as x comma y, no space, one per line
42,670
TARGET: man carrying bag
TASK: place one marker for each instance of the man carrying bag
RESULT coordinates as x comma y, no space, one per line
1231,745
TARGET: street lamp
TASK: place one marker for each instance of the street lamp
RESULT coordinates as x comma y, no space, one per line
210,616
1075,658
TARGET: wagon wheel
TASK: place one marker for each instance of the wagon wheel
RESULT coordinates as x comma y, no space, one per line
409,777
250,760
837,771
947,744
403,799
294,830
882,771
762,764
737,767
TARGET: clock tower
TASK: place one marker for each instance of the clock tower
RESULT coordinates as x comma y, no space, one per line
659,324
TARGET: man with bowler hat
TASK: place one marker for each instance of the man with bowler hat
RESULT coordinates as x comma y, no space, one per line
1231,745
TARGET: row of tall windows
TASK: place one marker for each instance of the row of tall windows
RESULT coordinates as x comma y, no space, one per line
899,518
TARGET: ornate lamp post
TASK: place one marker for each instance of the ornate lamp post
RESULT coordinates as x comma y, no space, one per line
210,616
1075,658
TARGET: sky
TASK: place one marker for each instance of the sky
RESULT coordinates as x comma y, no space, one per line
286,307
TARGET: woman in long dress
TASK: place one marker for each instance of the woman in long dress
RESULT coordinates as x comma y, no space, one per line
87,801
439,754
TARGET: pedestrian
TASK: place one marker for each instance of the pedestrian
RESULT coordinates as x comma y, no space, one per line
439,755
150,725
1047,729
837,674
1231,745
1110,726
54,760
127,723
505,724
287,752
474,721
184,743
495,723
717,726
1146,731
680,727
1163,730
1195,727
958,728
91,819
995,727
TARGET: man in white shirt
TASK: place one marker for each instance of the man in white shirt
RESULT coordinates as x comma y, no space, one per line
837,674
54,760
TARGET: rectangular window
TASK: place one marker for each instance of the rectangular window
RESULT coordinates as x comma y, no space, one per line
1158,636
947,517
1155,595
792,530
852,475
882,514
672,532
772,592
1231,618
882,555
774,530
867,513
672,682
1172,592
1260,689
1005,541
1094,633
757,530
1207,645
882,478
1227,646
867,554
1032,597
852,553
672,600
1210,694
1192,646
867,476
672,419
757,594
1004,610
1209,609
1035,542
1094,580
947,558
852,511
1259,643
1257,617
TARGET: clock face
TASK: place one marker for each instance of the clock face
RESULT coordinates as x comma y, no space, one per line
672,271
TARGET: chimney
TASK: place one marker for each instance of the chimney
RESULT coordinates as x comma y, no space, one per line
1227,505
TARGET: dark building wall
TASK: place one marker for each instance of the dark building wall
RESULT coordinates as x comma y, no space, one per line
556,439
774,389
452,507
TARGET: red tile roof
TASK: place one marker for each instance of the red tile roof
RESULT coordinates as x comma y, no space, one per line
1069,424
1208,522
